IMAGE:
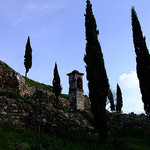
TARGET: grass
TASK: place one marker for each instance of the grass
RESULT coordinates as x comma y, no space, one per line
44,87
15,139
11,138
131,139
39,85
12,95
65,96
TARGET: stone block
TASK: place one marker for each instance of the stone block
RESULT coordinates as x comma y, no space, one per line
4,113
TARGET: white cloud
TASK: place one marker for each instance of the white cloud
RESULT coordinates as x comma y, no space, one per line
132,101
129,81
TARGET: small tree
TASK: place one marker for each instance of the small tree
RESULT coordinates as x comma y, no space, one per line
28,56
118,100
111,100
56,84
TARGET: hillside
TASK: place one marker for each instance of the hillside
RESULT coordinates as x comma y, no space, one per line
29,106
26,103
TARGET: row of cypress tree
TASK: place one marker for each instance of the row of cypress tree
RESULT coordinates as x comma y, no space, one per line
98,83
28,64
119,103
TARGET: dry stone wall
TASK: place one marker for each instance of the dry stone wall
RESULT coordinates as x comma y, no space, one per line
8,79
38,107
12,81
31,114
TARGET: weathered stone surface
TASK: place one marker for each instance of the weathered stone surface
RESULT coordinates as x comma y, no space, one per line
31,114
3,113
87,103
8,79
39,108
76,98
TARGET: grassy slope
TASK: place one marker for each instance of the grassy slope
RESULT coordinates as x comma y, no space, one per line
44,87
37,84
10,138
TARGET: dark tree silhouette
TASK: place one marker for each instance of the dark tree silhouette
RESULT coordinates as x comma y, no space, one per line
142,61
111,100
28,56
119,100
96,73
56,84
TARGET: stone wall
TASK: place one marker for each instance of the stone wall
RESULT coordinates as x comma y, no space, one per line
87,103
31,114
12,81
38,107
8,79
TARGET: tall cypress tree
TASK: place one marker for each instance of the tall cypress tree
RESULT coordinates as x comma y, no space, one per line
96,73
56,84
28,56
111,100
142,61
119,99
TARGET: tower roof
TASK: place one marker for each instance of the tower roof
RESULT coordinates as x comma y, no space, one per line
75,72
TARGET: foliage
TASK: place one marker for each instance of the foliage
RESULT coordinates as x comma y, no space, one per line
12,95
128,139
28,56
61,139
119,99
142,60
96,73
111,100
56,84
65,96
44,87
39,85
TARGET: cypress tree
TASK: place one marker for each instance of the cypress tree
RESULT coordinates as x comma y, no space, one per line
119,100
28,56
56,84
111,100
96,73
142,61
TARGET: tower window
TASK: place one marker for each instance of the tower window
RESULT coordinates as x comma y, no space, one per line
79,83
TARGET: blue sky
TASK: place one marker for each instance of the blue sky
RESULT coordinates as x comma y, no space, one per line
57,33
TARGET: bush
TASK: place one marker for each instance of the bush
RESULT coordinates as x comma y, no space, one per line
12,95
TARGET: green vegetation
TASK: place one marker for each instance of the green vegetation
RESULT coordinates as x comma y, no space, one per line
142,61
28,56
44,87
15,139
39,85
111,100
65,96
63,109
96,73
130,139
56,84
119,102
12,95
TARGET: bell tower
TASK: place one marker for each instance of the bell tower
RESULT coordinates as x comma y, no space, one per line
76,98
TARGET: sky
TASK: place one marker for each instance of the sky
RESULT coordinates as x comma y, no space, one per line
57,34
